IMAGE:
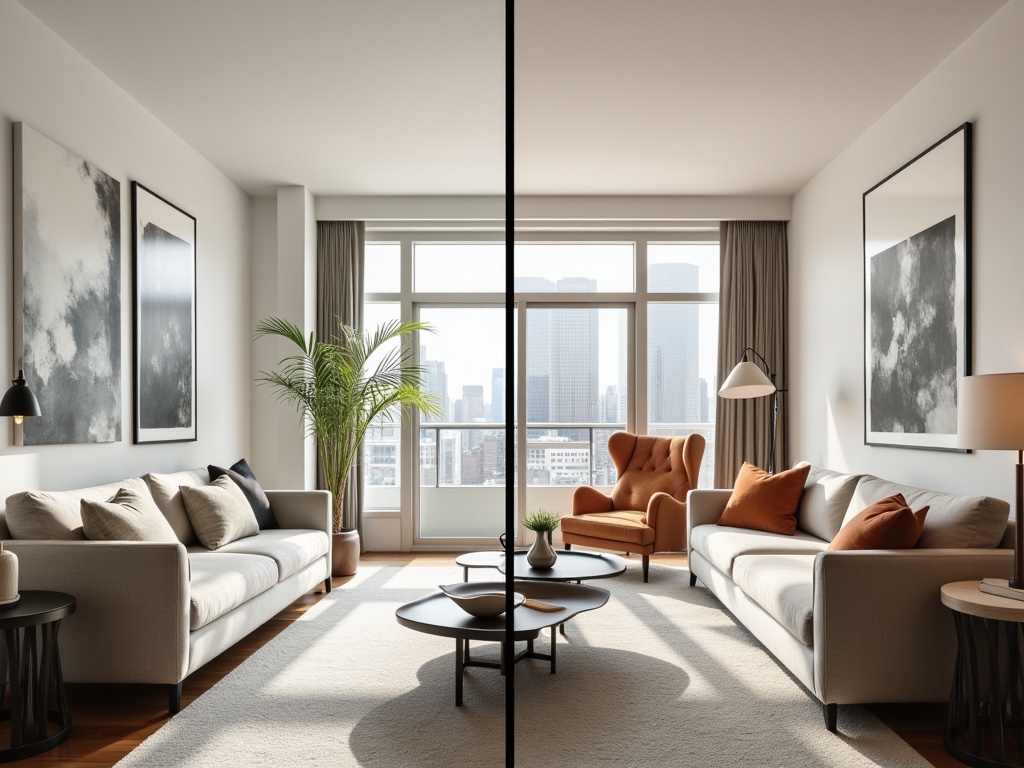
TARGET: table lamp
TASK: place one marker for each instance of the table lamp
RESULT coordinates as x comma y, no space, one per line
990,416
748,380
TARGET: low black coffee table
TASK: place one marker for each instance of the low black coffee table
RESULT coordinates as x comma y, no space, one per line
437,614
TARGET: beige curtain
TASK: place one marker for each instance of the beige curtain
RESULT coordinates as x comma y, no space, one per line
753,312
339,298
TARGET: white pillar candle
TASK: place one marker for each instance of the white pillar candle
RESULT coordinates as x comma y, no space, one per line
8,575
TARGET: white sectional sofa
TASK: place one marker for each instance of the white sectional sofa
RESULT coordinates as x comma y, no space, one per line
154,612
861,626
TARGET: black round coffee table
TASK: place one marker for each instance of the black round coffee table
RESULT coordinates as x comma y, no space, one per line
569,566
437,614
30,661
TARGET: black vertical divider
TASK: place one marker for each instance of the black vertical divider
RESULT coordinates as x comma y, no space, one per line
510,385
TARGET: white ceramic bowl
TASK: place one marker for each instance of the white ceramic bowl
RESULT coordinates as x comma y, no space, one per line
482,604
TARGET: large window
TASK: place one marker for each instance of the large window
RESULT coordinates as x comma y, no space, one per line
610,333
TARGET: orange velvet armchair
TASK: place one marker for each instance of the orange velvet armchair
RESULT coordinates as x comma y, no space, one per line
646,511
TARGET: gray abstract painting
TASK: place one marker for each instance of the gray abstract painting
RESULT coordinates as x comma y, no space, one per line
67,291
165,330
164,243
913,334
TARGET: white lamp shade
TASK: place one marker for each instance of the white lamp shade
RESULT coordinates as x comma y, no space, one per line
990,413
746,380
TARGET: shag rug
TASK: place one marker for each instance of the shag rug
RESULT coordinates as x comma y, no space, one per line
660,676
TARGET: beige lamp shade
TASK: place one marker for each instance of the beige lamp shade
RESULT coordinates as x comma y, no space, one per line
990,413
746,380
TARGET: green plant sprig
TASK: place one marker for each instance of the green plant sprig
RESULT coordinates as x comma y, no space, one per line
541,520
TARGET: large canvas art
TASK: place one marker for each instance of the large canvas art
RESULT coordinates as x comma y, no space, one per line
67,292
164,240
916,314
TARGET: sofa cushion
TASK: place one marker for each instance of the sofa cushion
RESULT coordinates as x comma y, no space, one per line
221,581
886,524
721,546
824,502
219,512
765,502
166,490
128,516
58,514
620,525
250,486
784,586
953,521
291,549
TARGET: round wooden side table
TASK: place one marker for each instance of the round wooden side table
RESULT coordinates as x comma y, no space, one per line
30,661
986,711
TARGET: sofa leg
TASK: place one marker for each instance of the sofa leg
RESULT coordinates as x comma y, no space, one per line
567,546
830,712
174,697
693,579
646,566
328,586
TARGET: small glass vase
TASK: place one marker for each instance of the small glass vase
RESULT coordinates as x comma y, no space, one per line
541,556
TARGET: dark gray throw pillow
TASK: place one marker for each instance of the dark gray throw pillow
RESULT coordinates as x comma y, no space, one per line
246,480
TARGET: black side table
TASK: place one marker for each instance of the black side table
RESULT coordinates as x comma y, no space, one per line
30,661
985,723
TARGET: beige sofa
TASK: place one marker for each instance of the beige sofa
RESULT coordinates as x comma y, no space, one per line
852,626
156,612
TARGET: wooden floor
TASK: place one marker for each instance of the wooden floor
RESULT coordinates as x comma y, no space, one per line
111,720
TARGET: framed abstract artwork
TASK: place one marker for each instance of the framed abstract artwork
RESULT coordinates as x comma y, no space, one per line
917,240
67,292
164,258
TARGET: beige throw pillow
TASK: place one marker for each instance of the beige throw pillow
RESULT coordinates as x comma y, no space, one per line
128,516
219,512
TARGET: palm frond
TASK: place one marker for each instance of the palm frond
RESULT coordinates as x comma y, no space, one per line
336,394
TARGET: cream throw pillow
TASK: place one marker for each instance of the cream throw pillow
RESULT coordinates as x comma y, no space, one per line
128,516
219,512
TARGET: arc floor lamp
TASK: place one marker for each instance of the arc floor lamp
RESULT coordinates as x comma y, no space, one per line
747,380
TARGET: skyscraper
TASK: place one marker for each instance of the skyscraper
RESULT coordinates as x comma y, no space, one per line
673,385
435,382
573,394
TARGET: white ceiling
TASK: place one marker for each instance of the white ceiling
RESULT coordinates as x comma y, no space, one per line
407,97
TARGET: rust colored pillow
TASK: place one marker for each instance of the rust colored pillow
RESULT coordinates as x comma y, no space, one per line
886,524
765,502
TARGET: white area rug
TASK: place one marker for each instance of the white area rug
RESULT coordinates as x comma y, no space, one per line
660,676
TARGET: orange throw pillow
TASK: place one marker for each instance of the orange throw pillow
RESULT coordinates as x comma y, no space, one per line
886,524
765,502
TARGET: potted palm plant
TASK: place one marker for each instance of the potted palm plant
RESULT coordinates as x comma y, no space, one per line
341,388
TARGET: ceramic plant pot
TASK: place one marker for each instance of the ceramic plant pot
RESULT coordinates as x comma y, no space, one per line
541,556
345,553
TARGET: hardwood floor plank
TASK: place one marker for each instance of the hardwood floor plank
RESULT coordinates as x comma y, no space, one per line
109,721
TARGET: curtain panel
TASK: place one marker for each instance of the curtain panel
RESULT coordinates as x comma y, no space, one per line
753,312
340,250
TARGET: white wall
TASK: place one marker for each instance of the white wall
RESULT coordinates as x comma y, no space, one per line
46,84
979,82
283,231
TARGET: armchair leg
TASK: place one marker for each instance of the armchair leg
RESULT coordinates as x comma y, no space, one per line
693,580
567,546
646,566
328,586
830,712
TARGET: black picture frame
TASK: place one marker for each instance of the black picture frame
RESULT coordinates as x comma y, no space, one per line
164,348
917,308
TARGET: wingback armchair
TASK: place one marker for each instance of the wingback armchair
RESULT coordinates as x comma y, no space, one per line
646,511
